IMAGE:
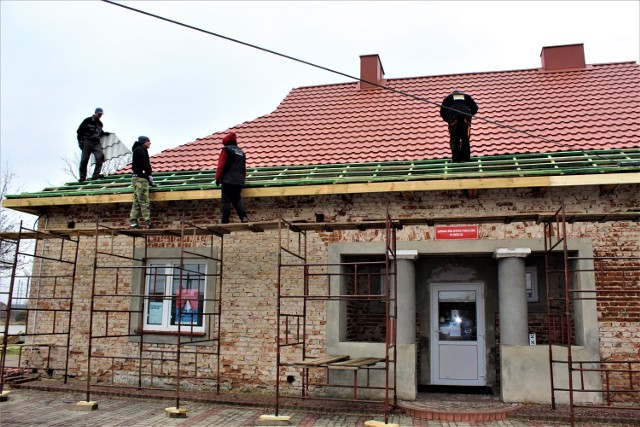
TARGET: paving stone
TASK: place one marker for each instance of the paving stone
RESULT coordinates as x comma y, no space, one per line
29,407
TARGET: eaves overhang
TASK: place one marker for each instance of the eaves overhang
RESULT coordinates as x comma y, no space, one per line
580,168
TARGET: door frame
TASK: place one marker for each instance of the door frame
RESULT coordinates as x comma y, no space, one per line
480,332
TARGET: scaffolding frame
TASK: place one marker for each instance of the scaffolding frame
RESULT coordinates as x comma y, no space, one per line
156,363
61,250
300,283
555,236
561,315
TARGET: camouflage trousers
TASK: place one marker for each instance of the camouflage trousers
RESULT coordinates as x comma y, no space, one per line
140,200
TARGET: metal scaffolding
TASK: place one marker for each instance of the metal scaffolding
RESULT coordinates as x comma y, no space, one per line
305,289
38,323
121,352
617,296
129,292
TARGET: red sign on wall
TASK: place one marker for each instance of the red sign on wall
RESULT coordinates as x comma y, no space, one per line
456,232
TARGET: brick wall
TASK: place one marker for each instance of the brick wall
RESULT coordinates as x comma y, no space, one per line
250,270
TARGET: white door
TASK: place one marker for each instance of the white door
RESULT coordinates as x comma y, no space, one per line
457,338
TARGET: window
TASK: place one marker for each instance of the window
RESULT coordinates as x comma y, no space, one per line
175,296
167,299
457,315
365,279
531,283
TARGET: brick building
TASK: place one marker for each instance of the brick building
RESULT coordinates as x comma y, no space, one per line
534,241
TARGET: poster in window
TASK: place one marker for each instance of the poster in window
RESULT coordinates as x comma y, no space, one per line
155,313
187,310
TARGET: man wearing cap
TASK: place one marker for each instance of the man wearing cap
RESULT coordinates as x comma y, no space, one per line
141,178
231,173
457,109
89,133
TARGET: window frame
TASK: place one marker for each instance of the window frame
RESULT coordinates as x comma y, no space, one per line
531,283
145,257
169,298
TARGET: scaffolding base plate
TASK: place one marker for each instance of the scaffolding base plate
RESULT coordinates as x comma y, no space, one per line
273,420
174,412
83,405
373,423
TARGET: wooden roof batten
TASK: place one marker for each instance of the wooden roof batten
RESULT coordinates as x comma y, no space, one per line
39,204
325,226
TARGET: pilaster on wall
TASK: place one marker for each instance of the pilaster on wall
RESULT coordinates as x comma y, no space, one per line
512,291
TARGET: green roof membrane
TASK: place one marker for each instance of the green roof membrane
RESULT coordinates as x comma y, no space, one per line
517,165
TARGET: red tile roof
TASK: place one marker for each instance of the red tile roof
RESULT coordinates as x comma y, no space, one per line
597,107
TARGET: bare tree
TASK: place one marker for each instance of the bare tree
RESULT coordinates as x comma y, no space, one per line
7,222
10,222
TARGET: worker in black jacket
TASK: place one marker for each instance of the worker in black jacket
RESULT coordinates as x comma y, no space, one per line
89,133
141,178
457,110
231,173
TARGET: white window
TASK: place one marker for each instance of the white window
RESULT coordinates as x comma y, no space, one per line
531,282
175,296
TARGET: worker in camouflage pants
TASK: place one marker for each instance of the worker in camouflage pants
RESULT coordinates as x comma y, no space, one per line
141,179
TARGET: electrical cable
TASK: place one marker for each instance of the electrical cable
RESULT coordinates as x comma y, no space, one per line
419,98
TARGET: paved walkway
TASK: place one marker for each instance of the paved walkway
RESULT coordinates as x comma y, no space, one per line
26,407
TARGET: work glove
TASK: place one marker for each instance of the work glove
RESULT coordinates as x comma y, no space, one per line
151,183
217,183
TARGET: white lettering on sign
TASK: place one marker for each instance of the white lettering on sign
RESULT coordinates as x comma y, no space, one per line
456,232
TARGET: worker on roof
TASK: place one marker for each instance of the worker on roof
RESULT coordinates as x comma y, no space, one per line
231,173
89,133
141,178
457,110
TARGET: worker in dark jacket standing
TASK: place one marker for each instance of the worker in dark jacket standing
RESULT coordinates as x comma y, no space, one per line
89,133
231,173
141,177
457,109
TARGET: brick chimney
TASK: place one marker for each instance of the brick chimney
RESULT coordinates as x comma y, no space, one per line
371,71
570,56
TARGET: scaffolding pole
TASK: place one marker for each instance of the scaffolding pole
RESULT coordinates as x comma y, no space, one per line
617,284
131,291
301,283
52,332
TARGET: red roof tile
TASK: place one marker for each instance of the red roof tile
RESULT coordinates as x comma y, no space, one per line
594,108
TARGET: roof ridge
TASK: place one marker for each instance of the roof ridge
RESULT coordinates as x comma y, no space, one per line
509,71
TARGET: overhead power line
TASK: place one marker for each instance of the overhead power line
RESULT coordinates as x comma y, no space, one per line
311,64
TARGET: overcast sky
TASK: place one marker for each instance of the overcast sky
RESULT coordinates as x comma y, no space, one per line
62,59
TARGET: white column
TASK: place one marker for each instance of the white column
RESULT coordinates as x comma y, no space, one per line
512,294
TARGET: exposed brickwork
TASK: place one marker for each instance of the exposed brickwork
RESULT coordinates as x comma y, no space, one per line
250,272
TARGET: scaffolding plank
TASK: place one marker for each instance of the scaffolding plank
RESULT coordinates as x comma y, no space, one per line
320,361
356,363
